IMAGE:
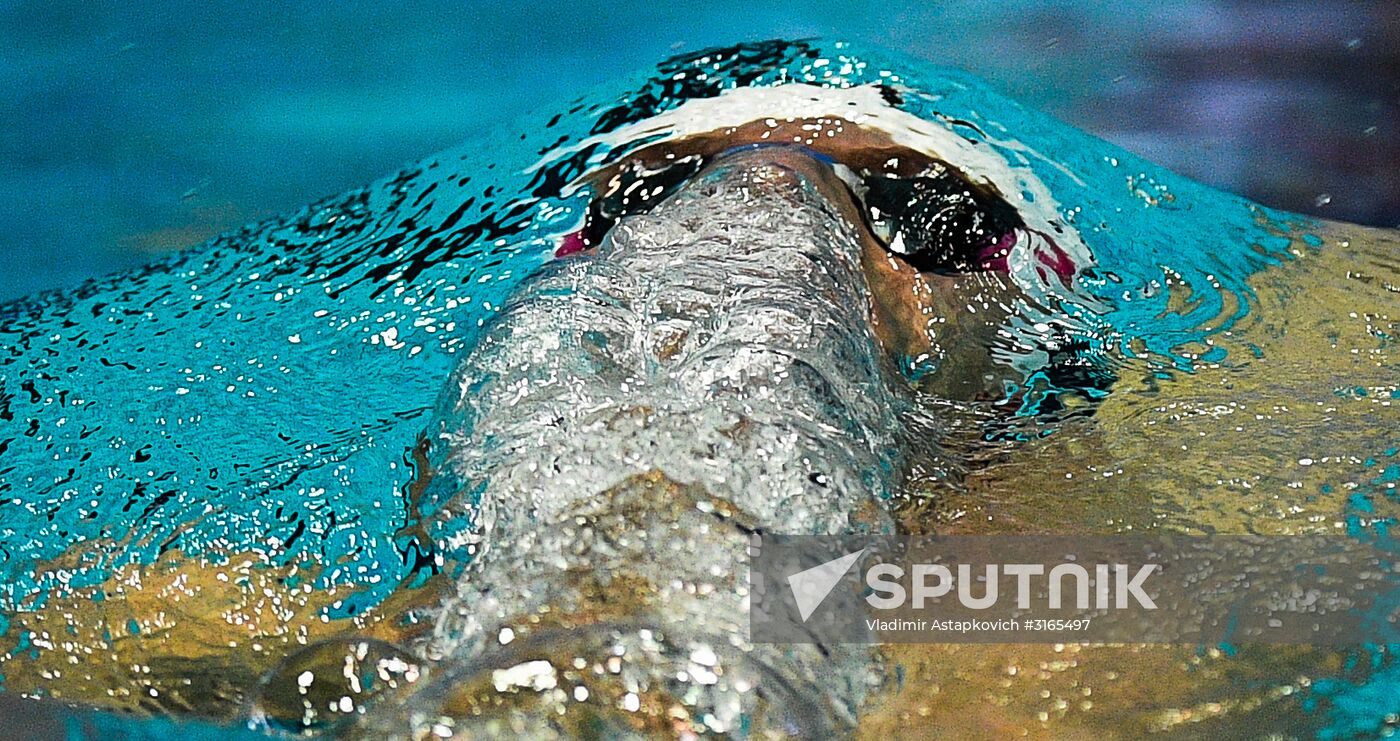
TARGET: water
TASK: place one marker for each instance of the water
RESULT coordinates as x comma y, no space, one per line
218,459
164,125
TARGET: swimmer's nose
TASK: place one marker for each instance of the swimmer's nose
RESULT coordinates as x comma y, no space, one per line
778,170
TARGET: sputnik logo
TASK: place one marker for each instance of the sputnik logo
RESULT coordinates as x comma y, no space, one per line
810,587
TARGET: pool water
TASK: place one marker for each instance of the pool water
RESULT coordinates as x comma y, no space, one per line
164,125
219,458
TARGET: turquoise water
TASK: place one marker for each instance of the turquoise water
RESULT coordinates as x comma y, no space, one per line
164,124
261,395
261,391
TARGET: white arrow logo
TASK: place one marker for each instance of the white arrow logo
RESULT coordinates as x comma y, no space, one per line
812,586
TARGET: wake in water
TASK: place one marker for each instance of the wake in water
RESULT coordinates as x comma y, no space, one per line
478,449
626,424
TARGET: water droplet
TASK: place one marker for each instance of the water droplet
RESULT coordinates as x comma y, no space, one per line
323,685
